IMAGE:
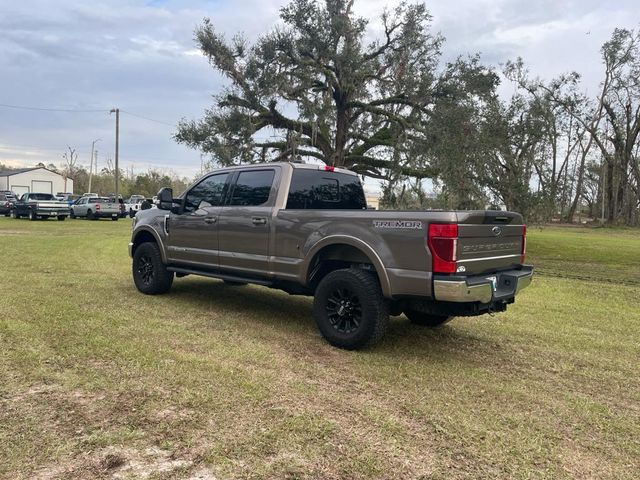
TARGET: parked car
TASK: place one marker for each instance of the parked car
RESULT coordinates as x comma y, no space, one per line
39,205
69,198
95,208
306,230
6,203
132,205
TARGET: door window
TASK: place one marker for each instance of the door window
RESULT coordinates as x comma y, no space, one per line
208,193
252,188
316,189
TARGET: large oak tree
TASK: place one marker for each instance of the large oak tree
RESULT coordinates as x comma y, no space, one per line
314,87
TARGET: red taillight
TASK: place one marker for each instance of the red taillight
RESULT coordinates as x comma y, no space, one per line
443,245
97,206
329,168
523,252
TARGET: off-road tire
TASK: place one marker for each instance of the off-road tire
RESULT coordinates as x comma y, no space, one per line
426,319
365,320
150,275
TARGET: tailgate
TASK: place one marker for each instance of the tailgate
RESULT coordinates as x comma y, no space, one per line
489,241
108,208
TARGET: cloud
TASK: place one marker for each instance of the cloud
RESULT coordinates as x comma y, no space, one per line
140,56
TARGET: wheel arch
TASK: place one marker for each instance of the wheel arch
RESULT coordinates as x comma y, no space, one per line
339,251
148,235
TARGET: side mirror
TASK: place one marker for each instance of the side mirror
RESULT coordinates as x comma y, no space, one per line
165,198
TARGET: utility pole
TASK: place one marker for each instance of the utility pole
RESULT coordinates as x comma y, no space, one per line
117,112
91,164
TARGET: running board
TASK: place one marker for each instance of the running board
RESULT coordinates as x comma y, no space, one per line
221,276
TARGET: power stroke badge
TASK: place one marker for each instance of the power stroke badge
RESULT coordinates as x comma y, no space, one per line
396,224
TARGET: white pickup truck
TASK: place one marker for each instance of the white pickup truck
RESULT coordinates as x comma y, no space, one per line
132,206
95,208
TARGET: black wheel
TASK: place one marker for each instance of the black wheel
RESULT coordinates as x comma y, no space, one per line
349,308
32,215
231,283
149,273
6,214
426,319
131,213
61,218
71,214
115,219
90,215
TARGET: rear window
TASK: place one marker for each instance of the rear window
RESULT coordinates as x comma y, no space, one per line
99,200
41,196
318,189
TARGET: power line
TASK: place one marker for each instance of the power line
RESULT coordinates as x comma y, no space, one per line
147,118
73,110
42,109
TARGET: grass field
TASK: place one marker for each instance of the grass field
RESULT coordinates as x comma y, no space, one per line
98,381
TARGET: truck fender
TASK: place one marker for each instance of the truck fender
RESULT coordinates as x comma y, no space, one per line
364,247
148,230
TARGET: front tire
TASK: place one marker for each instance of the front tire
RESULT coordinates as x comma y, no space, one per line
426,319
32,216
349,308
71,214
150,275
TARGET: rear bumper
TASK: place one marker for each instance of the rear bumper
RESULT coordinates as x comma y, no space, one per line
106,214
53,212
482,289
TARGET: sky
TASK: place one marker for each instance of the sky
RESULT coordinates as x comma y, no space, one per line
140,57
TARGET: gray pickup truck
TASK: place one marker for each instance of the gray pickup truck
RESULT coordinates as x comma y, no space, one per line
306,229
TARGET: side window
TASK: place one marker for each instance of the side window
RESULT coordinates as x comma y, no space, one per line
252,188
208,193
313,189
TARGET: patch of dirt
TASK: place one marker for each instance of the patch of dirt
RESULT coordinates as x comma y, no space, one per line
125,463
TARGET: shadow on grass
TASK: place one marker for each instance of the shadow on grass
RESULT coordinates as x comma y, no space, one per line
274,308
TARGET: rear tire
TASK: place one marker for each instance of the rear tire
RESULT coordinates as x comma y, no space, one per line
90,215
426,319
61,218
349,308
115,219
150,275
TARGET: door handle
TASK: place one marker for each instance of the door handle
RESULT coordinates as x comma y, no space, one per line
259,220
210,219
